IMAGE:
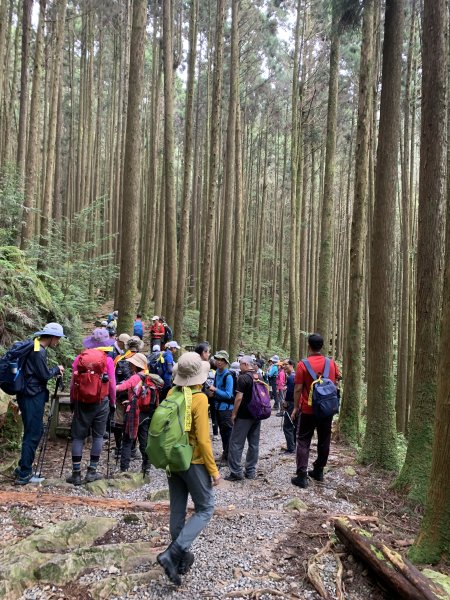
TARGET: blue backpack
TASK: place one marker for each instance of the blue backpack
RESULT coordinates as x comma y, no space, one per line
323,395
12,380
138,329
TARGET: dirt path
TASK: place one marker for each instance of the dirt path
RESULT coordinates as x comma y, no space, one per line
258,544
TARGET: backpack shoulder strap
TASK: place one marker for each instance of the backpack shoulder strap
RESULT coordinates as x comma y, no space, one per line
326,369
310,370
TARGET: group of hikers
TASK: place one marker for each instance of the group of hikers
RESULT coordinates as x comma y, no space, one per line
151,401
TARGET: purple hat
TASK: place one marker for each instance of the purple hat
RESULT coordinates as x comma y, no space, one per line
100,337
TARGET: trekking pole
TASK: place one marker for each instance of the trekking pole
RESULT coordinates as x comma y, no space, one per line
109,447
65,456
44,438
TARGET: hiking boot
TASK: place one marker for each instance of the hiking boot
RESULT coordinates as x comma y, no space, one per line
300,480
92,475
30,479
186,562
316,474
250,475
234,477
280,414
170,561
75,478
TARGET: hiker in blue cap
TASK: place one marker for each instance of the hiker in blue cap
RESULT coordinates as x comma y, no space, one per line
32,399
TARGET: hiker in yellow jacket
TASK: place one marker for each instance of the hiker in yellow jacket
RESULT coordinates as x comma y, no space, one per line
191,371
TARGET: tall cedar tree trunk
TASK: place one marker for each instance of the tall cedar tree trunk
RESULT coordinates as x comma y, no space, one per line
129,230
187,175
236,298
23,104
293,315
416,469
325,308
152,185
213,171
34,134
226,291
380,443
47,199
433,542
349,420
403,337
170,257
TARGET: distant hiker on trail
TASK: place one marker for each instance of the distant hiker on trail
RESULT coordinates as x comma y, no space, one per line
119,347
203,350
281,388
112,317
123,372
157,332
223,391
272,374
289,425
235,367
307,372
168,333
190,374
167,366
92,397
112,323
154,355
138,412
245,426
138,327
35,394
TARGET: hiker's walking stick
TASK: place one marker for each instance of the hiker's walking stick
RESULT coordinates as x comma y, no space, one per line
109,447
44,438
65,456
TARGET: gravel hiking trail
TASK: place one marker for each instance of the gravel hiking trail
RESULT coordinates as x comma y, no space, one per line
257,545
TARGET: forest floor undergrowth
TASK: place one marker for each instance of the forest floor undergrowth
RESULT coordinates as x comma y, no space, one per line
257,545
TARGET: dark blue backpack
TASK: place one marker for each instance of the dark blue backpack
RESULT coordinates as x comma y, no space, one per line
12,380
323,395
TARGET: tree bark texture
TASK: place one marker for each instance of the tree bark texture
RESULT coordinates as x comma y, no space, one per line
349,420
132,172
416,470
380,443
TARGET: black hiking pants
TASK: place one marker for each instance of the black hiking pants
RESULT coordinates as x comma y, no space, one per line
225,427
306,427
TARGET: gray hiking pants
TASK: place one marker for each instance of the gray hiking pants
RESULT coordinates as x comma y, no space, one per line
197,482
244,429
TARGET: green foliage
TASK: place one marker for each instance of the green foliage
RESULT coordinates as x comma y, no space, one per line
11,202
70,286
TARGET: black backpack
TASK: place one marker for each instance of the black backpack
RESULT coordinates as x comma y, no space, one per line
12,380
123,371
168,334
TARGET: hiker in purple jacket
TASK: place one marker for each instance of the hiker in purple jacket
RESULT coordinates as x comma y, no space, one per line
245,427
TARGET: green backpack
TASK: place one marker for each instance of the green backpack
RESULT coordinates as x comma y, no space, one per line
168,439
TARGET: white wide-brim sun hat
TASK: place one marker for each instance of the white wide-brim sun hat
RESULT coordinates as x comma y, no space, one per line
190,370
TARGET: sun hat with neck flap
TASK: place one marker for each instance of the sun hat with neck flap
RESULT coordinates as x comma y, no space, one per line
139,360
99,339
190,370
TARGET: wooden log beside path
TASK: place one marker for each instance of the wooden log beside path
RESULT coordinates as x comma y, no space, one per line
394,572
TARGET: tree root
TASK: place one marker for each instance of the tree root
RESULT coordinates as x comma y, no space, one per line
316,579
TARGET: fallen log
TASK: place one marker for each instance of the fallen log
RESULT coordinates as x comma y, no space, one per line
394,571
